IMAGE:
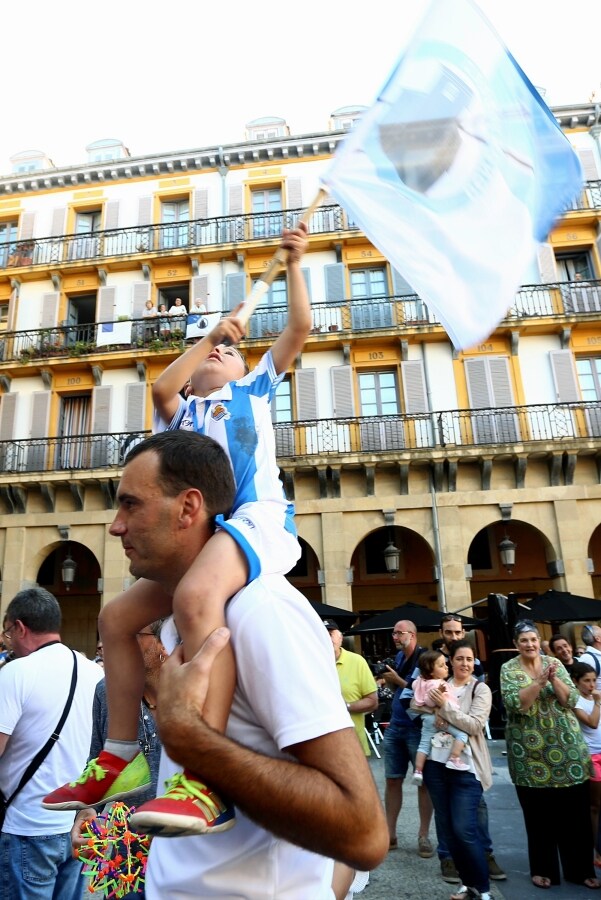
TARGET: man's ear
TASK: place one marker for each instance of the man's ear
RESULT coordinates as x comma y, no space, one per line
192,506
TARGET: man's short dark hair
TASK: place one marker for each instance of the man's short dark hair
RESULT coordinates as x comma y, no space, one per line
191,460
37,609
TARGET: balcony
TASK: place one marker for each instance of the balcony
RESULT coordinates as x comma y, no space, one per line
165,240
508,430
347,317
195,235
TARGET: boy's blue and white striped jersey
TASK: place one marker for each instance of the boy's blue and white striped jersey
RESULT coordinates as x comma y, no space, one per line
238,416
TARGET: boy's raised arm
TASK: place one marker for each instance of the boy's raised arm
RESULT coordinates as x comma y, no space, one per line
292,339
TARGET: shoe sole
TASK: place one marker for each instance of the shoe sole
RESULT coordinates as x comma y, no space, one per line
160,824
450,880
425,854
502,877
79,804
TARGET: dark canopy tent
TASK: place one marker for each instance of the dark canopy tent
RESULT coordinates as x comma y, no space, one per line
562,606
424,619
343,617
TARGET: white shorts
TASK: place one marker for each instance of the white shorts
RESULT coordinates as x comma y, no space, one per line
266,534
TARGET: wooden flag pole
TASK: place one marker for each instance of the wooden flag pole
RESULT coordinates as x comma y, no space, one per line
278,262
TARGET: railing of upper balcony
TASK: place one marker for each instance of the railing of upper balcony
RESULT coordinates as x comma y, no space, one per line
164,239
450,429
347,316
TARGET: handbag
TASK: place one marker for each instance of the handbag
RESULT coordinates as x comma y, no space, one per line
41,755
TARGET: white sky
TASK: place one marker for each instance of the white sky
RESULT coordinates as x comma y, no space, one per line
191,73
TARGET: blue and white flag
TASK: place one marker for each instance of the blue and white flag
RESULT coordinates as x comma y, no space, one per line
457,171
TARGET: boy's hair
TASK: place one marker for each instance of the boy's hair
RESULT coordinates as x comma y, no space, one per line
190,460
427,660
579,670
37,608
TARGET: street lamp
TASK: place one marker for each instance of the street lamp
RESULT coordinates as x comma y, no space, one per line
68,569
507,553
392,557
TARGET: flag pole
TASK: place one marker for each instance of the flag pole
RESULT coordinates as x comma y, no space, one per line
278,262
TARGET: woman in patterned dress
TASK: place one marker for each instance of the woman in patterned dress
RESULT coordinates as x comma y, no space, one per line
549,763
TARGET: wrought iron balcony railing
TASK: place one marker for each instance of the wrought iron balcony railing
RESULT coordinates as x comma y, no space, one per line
347,316
447,430
166,239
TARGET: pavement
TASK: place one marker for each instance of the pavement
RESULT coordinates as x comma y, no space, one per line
406,876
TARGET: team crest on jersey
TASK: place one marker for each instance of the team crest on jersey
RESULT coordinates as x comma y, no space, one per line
219,411
187,424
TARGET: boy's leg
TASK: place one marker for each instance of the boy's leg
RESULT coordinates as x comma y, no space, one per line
121,770
218,572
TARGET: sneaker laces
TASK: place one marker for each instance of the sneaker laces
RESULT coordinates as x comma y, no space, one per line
92,770
179,787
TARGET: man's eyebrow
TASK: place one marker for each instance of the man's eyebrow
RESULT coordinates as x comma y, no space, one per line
123,496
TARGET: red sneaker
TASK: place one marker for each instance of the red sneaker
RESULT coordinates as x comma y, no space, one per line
104,779
187,807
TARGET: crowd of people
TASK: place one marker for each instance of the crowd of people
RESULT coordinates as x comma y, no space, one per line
219,701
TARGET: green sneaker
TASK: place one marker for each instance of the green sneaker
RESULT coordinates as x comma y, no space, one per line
104,779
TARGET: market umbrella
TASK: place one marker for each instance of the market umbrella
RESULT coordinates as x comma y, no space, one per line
562,606
343,617
425,619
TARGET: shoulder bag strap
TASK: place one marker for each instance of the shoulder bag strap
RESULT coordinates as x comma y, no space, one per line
41,755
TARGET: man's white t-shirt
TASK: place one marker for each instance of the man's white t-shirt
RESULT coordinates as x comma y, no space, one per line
287,691
33,694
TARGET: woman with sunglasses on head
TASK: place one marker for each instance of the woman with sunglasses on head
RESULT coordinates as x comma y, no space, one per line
549,763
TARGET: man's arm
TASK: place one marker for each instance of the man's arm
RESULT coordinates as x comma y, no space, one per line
365,704
299,323
317,801
3,742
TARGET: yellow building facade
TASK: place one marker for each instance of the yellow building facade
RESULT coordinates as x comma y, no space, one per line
387,438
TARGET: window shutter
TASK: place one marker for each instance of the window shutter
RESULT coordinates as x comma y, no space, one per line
307,277
236,207
58,222
106,304
564,376
414,387
39,414
588,162
295,195
141,293
501,381
200,289
111,215
49,310
306,394
478,388
235,289
8,408
145,211
26,226
546,264
400,286
334,282
201,204
342,391
101,415
135,403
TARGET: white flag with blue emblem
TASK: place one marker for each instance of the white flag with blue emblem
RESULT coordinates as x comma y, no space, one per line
457,171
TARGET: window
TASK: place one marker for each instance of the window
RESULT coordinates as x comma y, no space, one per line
266,204
172,213
3,313
281,406
8,237
589,378
84,246
378,397
367,285
271,313
574,267
378,394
